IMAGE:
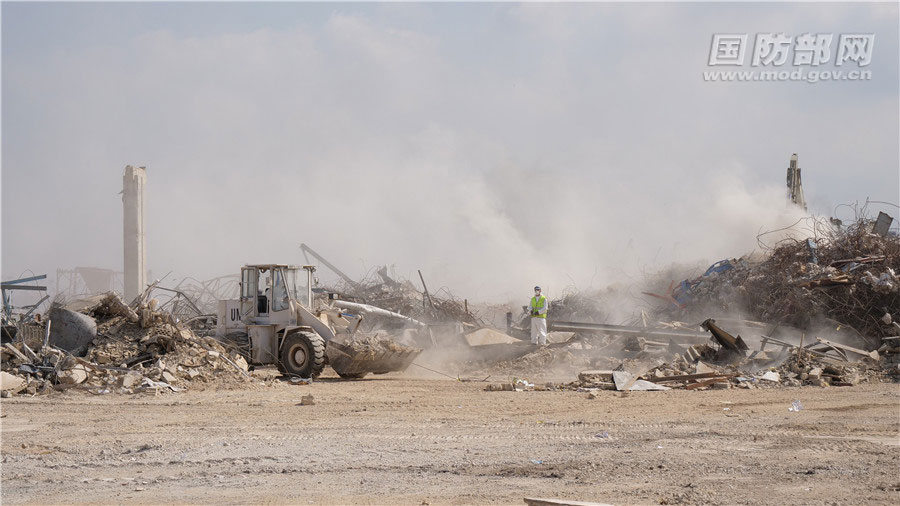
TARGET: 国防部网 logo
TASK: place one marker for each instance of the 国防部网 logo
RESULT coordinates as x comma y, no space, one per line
807,53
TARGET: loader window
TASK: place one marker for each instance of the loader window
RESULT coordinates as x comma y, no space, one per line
262,299
249,283
281,301
295,282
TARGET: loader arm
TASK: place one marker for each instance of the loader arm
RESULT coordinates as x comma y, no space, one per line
305,317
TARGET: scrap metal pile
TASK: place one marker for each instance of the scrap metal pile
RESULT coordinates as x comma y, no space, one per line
106,346
802,367
826,310
580,306
401,296
847,277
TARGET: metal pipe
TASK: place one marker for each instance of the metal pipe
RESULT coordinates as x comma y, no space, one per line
35,306
12,286
25,280
602,328
46,335
365,308
427,296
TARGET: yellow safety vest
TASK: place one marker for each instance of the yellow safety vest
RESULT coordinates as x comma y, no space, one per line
538,303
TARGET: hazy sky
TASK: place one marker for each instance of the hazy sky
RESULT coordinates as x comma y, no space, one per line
494,146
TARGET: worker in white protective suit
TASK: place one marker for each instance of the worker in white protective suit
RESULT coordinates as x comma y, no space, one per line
539,307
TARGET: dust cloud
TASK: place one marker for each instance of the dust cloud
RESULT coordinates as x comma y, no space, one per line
380,138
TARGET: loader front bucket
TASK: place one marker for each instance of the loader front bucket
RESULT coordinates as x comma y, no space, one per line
350,361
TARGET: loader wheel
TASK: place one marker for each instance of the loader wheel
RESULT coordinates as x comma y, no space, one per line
351,375
303,354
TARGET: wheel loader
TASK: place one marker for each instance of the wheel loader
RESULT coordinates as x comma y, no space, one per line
277,321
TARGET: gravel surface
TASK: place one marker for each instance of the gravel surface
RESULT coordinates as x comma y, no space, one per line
396,440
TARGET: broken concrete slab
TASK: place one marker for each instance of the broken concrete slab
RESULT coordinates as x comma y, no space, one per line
626,381
11,383
131,380
643,385
771,376
702,367
73,376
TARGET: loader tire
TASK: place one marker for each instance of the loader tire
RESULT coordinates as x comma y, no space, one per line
352,375
303,354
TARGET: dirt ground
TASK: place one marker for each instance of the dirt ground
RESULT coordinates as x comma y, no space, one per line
395,440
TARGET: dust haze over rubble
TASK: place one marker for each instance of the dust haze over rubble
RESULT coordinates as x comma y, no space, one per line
492,158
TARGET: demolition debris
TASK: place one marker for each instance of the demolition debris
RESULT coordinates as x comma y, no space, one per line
129,351
818,311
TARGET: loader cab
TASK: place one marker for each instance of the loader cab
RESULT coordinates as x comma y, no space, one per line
267,291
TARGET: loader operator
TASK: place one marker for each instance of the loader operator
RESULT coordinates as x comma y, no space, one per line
539,307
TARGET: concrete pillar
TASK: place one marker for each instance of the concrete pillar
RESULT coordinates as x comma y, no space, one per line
135,250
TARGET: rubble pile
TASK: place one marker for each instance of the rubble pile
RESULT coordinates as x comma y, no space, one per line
372,345
542,360
848,276
805,368
703,368
718,361
133,351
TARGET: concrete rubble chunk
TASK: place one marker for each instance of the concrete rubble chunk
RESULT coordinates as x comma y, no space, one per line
11,383
596,376
771,376
307,400
130,380
702,367
622,379
118,307
74,375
